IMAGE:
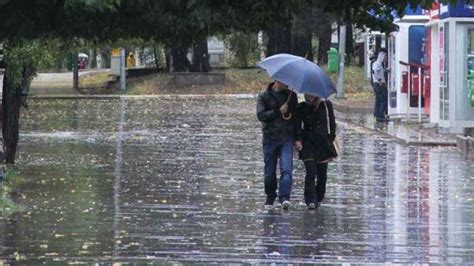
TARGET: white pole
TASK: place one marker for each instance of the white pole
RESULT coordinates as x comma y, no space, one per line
261,47
122,70
410,84
342,59
419,95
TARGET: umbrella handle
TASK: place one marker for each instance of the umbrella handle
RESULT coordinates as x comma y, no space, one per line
289,115
289,96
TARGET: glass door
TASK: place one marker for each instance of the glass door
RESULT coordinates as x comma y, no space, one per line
444,71
468,92
392,81
470,55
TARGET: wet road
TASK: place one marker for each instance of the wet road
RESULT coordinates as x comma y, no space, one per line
180,179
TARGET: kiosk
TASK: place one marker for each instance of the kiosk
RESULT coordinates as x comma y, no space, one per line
455,71
432,102
408,80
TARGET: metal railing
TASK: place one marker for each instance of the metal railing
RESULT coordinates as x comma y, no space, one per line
419,77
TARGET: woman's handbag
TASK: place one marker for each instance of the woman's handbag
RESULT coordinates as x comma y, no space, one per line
335,143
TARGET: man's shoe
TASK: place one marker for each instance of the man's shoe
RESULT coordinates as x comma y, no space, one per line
286,205
311,206
269,204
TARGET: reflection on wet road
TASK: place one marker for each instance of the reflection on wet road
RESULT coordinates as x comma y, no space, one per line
180,179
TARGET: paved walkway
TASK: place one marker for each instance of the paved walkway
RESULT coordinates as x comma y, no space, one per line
406,133
180,179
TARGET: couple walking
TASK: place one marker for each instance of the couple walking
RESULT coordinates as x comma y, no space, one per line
310,128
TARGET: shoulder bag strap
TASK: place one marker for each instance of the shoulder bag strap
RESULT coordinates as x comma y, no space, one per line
327,118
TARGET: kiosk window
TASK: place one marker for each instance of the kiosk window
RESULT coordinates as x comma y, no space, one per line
470,51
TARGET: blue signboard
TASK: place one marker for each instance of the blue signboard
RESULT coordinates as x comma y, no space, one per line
416,38
461,9
410,11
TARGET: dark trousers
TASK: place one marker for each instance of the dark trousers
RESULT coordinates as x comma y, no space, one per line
274,151
314,191
381,101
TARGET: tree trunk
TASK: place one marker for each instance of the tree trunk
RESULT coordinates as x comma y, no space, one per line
91,61
98,58
167,59
180,62
350,51
324,41
302,46
2,85
279,39
11,114
12,102
360,54
200,57
138,57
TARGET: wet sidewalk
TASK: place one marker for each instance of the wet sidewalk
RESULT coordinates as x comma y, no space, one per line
178,179
406,133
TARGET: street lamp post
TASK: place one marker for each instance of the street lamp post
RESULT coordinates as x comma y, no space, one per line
122,70
342,59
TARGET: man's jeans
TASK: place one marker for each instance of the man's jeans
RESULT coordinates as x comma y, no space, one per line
272,151
381,101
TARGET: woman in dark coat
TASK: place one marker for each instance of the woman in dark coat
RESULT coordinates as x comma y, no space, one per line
315,134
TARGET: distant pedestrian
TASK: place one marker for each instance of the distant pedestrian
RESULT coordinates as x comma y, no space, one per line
379,78
276,108
315,135
82,63
131,60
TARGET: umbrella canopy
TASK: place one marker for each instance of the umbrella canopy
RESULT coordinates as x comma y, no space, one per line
83,55
299,73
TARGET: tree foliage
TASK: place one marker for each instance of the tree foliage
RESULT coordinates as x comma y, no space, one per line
243,47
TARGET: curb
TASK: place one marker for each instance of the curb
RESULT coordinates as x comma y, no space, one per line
404,141
394,138
352,110
466,146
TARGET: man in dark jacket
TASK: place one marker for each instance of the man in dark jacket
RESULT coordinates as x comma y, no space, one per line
276,109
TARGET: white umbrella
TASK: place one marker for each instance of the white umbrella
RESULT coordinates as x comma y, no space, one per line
83,55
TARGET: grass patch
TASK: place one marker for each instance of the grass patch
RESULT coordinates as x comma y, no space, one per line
238,81
94,79
246,80
154,84
243,81
354,80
